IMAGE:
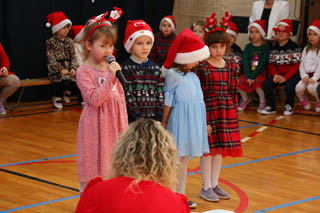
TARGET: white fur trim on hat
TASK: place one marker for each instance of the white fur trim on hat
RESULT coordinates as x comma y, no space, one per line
283,23
191,57
61,25
78,36
170,22
259,28
136,35
232,33
314,28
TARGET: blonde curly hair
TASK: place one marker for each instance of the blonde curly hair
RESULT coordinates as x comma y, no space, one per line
146,151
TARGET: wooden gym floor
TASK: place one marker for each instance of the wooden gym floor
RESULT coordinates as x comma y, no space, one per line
279,170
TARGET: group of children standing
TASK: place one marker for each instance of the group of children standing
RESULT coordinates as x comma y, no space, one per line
196,102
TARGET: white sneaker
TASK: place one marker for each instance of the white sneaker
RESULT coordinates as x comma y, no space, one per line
57,102
66,96
2,109
288,110
268,110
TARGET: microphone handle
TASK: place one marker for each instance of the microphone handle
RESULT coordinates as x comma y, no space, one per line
121,78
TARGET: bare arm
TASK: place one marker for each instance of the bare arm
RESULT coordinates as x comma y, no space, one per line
166,114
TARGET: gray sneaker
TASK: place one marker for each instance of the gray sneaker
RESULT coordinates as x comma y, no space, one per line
209,195
221,193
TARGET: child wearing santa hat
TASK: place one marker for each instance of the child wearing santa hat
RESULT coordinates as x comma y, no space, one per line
185,112
163,40
254,63
62,63
310,67
219,83
233,52
9,82
144,90
283,65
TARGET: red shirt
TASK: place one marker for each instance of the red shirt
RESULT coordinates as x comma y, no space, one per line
115,196
4,60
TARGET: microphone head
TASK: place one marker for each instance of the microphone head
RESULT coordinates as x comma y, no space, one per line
110,59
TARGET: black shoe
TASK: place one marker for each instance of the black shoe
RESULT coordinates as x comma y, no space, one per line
288,110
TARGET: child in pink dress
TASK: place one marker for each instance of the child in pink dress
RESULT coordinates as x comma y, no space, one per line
104,116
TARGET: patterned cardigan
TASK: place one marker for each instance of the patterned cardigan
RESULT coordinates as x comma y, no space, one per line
60,55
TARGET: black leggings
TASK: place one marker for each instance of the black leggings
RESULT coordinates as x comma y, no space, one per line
67,85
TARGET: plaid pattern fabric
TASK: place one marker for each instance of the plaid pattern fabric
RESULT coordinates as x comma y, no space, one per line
144,91
219,86
160,48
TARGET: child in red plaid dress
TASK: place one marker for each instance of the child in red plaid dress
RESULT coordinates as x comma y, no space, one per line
219,82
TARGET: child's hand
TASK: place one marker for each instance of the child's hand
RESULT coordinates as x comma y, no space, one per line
276,78
64,72
305,79
282,79
311,81
4,72
72,72
113,67
250,81
209,129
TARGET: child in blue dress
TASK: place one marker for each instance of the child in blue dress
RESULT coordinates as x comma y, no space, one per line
185,112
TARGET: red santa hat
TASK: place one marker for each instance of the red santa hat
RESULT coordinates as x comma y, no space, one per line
186,48
287,23
76,32
315,26
261,25
233,29
57,20
135,29
170,20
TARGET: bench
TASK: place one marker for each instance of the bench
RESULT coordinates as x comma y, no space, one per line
30,83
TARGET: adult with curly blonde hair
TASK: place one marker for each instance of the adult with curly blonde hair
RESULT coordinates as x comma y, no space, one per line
143,175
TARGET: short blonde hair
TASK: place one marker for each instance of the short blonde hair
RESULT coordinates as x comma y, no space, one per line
146,151
108,32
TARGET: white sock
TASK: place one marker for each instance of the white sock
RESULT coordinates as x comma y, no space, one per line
205,167
215,168
182,176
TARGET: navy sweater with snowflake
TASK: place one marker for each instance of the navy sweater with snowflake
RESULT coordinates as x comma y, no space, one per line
144,90
284,60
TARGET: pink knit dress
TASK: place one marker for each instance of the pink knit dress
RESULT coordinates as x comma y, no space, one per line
102,120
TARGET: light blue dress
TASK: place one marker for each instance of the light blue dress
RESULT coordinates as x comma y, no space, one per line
187,120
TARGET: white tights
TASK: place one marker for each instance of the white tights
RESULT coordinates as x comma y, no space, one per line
260,92
312,89
182,176
210,168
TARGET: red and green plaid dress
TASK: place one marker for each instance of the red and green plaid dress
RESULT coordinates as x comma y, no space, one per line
219,86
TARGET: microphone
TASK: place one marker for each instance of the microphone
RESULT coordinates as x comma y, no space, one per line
119,75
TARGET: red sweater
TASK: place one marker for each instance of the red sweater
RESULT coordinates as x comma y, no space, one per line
284,60
4,60
115,196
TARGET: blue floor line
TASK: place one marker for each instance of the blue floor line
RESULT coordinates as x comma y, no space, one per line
72,155
248,126
263,159
288,204
32,161
40,204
